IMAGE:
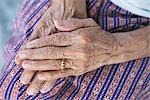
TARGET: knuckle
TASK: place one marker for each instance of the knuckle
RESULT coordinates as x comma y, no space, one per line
51,38
83,38
69,64
45,40
50,77
61,38
78,72
84,53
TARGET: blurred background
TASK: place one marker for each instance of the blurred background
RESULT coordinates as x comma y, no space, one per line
8,10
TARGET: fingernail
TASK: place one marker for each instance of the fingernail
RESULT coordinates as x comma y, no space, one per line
26,66
22,55
24,80
59,23
40,77
45,89
32,91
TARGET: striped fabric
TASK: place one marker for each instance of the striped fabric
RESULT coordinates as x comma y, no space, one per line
129,80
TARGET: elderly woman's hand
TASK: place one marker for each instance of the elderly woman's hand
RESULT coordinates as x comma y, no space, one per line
85,48
60,10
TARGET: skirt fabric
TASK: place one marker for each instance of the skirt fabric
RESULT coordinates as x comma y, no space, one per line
128,80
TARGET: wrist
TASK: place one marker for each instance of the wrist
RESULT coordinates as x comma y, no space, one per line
72,8
105,49
130,45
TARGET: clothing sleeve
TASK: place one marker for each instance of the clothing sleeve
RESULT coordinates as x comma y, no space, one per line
138,7
28,15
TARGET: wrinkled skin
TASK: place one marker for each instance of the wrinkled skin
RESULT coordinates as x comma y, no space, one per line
60,10
84,46
79,46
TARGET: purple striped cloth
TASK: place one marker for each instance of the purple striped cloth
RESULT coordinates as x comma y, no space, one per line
128,80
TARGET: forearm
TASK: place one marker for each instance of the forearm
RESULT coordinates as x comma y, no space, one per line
130,45
70,8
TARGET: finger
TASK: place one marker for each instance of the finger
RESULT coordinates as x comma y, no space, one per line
17,60
42,29
74,23
35,86
43,65
26,76
47,86
53,75
47,53
59,39
45,28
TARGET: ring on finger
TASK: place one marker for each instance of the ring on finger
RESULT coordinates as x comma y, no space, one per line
62,66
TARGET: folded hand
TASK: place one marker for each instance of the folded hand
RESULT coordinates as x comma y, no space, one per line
60,10
82,44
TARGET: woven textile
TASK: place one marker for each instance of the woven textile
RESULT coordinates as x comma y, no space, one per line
122,81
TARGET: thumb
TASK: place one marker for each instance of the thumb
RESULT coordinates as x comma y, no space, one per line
74,23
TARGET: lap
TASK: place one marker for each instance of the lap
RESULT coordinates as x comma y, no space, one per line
125,80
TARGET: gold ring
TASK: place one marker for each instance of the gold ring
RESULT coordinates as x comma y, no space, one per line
63,64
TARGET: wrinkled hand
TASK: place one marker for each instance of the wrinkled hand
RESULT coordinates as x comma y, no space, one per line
60,10
85,48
